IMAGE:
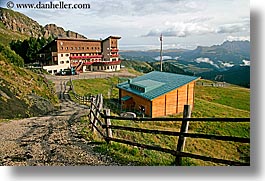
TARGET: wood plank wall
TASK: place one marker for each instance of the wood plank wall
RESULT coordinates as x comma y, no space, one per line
138,101
171,103
174,101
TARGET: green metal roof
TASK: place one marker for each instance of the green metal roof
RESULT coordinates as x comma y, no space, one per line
155,84
126,98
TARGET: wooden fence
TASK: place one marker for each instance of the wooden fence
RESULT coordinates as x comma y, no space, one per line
100,119
101,122
81,99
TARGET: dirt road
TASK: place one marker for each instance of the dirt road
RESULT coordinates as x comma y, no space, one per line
49,140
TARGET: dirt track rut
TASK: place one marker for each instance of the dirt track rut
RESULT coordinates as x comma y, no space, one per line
51,140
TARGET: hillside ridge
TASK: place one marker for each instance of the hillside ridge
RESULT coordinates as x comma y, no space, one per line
21,26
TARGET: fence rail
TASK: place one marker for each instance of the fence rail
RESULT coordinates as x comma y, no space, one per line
100,120
179,153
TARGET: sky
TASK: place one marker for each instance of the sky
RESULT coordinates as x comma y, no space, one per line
183,23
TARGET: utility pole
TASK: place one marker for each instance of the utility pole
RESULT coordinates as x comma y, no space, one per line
161,57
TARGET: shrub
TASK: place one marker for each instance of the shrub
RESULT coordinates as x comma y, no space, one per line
11,56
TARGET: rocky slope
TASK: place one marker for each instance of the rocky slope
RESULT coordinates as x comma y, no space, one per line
55,31
18,22
15,25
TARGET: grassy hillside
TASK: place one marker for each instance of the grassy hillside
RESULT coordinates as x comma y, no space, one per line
22,92
6,36
135,65
231,101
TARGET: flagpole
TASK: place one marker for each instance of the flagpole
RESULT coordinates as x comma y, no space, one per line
161,64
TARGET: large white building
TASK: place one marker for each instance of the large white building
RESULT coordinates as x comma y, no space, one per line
82,54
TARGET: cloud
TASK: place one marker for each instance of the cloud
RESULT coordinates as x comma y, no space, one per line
245,63
198,26
140,7
164,58
181,29
237,38
226,64
234,28
206,60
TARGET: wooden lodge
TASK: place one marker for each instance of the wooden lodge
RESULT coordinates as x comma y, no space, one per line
157,94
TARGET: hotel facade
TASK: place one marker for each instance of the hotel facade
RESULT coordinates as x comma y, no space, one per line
82,54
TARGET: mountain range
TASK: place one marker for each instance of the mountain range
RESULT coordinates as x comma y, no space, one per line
228,62
220,57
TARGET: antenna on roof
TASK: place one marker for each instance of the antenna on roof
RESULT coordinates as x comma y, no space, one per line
161,58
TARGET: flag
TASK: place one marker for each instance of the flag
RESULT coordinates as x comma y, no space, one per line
161,37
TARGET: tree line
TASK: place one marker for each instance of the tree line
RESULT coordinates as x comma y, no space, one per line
28,48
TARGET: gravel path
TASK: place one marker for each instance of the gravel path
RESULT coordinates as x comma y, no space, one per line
51,140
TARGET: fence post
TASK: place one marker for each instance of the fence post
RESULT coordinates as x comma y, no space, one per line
184,129
107,123
92,115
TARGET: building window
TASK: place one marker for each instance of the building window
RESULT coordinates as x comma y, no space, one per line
67,55
61,62
66,48
87,48
83,48
92,48
61,55
67,61
50,71
71,48
61,48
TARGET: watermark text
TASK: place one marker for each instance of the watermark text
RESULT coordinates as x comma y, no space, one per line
47,5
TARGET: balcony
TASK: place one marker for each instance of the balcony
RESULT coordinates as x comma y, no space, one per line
108,63
85,57
114,49
88,63
115,55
